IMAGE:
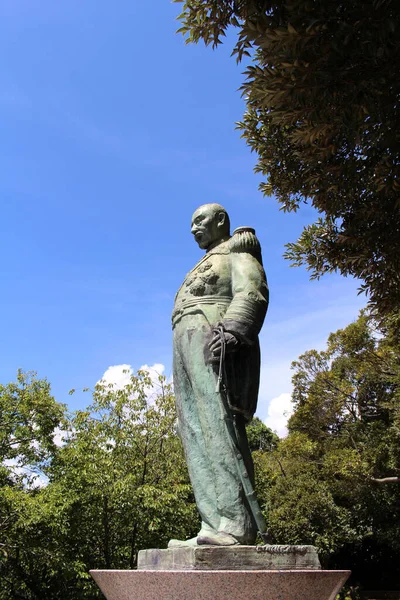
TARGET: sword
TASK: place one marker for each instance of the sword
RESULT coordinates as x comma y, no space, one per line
234,439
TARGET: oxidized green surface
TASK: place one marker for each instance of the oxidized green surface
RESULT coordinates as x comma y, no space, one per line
227,286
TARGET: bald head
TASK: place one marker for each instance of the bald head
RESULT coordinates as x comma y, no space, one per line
210,224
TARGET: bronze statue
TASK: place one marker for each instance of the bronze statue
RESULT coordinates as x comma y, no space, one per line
218,313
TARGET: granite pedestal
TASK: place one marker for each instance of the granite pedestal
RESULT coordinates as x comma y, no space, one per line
224,573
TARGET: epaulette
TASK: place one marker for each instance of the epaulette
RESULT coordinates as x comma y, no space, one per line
244,239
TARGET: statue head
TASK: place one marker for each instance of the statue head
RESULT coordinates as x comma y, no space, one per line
210,225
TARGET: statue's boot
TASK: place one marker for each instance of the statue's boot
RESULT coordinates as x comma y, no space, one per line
219,538
182,543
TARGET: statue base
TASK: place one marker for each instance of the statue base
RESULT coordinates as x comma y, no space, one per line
224,573
232,558
220,585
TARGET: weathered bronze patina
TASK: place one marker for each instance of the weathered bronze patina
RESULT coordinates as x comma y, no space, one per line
218,313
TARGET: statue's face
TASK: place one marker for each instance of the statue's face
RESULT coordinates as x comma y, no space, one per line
207,226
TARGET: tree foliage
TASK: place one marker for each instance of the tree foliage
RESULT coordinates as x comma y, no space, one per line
260,436
29,416
335,480
119,483
322,93
124,467
116,485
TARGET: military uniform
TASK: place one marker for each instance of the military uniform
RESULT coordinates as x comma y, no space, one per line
227,286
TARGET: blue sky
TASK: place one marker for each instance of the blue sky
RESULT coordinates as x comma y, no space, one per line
113,133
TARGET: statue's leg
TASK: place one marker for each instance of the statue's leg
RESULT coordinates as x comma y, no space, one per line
190,432
211,455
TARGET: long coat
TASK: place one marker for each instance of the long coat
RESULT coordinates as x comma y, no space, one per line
228,286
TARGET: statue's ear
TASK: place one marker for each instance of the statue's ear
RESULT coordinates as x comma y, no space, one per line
221,219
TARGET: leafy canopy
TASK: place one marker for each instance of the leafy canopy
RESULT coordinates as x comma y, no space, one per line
29,416
335,480
322,113
118,483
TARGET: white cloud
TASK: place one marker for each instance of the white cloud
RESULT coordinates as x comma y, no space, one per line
279,410
40,480
154,371
32,477
120,376
59,436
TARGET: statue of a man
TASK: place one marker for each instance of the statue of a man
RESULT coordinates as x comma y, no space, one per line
218,313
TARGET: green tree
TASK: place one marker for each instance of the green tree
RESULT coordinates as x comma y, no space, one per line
335,478
322,94
260,436
118,484
29,419
29,416
123,466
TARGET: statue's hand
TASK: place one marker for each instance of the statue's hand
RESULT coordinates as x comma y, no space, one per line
231,343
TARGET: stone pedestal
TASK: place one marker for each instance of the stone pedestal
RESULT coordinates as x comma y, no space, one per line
231,558
220,585
224,573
